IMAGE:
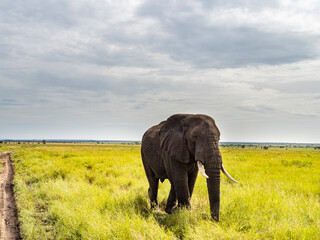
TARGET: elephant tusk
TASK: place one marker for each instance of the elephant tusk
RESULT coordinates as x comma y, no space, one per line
227,174
201,170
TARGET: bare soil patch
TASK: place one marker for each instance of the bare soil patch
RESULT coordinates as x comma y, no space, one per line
9,227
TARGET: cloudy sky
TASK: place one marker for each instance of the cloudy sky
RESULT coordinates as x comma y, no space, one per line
97,69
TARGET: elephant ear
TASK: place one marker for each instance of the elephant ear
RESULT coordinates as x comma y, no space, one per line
172,139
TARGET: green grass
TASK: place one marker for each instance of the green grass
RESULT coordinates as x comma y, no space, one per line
100,192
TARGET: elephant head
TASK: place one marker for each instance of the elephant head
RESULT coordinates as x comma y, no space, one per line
195,139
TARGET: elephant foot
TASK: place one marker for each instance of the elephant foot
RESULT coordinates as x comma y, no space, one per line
170,209
184,205
154,206
215,217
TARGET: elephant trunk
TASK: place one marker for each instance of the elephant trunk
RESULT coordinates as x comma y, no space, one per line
213,165
213,185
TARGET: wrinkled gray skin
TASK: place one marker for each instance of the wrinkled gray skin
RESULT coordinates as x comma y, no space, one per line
170,150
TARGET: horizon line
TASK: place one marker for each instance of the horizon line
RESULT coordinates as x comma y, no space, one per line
95,140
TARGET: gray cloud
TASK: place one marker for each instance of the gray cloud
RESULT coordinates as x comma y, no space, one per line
51,13
252,4
60,31
311,87
193,39
109,70
239,47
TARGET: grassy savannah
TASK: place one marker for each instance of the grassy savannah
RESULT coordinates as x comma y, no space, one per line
78,191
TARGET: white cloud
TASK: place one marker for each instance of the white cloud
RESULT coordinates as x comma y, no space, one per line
285,19
122,66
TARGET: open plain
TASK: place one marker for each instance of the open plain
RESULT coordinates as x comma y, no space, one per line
99,191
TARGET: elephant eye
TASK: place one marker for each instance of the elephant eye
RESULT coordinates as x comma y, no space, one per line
194,136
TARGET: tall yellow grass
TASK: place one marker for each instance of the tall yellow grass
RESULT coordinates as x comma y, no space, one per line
72,191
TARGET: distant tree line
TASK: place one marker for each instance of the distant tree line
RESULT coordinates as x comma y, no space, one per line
264,146
69,141
269,145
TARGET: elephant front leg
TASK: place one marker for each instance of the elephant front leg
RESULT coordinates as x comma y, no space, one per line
182,191
171,202
192,177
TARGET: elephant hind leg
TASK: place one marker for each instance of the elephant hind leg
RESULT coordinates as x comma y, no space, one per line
153,185
153,192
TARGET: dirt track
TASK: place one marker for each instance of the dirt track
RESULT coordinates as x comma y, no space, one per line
8,212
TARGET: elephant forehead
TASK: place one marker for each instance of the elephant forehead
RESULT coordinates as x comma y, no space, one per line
208,130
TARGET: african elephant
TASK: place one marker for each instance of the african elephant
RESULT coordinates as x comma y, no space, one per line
176,149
